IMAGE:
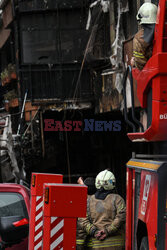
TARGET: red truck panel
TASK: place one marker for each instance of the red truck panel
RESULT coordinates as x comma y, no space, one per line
25,192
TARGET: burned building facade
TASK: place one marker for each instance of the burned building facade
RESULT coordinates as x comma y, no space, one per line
62,60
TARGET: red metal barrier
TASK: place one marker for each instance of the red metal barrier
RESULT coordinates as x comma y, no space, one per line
63,203
36,213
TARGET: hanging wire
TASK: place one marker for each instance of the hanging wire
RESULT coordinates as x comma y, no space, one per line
85,54
67,152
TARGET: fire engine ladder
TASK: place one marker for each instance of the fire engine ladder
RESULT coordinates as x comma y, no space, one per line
134,123
7,140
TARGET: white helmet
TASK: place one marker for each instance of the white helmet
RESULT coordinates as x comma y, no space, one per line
147,13
105,179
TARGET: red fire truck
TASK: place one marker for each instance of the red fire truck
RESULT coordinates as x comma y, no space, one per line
146,220
14,216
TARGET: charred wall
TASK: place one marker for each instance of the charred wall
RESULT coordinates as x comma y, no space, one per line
52,41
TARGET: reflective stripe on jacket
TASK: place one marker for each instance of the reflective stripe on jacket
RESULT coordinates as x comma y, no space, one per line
142,51
81,234
108,242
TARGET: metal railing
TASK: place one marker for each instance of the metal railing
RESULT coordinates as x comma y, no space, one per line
55,83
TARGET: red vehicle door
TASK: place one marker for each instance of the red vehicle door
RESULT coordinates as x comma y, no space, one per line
162,208
146,217
15,201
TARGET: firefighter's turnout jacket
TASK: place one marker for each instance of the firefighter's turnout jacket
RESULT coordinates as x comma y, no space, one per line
109,214
142,50
81,236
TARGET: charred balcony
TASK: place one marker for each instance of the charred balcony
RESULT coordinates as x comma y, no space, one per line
56,83
51,42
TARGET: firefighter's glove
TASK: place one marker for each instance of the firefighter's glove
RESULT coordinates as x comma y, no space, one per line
132,62
101,234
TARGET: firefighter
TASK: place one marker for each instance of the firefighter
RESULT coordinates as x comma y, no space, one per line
81,236
106,215
143,40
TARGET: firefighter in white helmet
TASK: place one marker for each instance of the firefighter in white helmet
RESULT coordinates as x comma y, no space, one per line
105,219
143,40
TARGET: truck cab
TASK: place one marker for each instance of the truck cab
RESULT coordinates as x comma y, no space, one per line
14,216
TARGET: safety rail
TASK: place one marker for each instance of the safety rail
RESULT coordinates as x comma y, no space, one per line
55,84
131,124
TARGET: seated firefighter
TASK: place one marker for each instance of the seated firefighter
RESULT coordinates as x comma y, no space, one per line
106,215
143,39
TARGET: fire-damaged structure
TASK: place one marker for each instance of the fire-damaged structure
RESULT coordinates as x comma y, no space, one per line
52,40
62,60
